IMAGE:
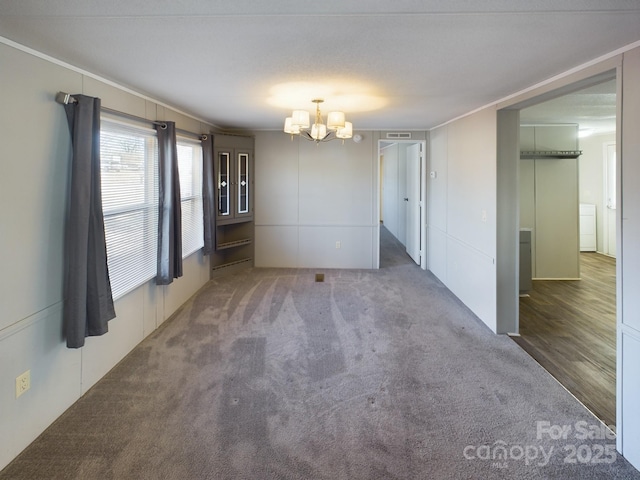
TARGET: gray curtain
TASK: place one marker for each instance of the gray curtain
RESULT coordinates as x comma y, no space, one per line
208,200
169,213
88,303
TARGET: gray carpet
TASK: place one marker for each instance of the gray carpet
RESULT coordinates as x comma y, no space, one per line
267,374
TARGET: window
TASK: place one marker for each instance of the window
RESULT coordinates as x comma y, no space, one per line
129,171
129,174
190,171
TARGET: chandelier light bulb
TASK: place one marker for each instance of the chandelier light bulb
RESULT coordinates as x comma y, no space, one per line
346,131
335,120
290,128
336,127
300,119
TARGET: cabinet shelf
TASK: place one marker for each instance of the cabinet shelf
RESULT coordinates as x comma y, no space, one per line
231,264
233,244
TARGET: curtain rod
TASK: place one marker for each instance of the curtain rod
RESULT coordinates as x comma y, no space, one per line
66,98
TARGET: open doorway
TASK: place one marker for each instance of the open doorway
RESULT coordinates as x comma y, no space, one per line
569,326
402,189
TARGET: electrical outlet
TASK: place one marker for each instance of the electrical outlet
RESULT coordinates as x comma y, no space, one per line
23,383
484,215
338,244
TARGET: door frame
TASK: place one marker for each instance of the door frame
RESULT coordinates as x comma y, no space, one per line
508,118
423,190
508,188
607,212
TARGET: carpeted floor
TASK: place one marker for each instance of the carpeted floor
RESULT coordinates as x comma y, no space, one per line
267,374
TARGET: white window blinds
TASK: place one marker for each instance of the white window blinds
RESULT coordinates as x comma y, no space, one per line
129,171
190,171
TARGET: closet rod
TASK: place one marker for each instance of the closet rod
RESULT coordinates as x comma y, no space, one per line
66,98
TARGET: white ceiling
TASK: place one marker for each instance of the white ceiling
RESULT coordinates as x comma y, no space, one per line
402,64
593,109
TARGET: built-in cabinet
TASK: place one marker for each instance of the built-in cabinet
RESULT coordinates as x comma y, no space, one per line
233,158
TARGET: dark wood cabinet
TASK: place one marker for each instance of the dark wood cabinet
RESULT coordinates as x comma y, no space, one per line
233,182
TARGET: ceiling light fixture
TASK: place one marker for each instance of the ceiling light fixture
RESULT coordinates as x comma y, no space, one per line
336,127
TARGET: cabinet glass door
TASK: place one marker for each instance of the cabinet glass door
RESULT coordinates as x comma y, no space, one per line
224,185
243,183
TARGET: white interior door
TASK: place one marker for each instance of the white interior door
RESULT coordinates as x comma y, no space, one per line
412,200
403,190
609,220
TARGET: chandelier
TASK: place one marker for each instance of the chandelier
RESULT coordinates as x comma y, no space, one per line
336,127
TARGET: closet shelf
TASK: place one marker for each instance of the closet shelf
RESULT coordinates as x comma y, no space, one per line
528,154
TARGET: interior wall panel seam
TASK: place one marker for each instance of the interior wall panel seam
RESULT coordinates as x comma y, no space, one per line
30,320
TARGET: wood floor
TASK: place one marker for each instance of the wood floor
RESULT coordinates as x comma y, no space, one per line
569,327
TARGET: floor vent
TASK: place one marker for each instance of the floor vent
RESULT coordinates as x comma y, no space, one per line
399,135
320,277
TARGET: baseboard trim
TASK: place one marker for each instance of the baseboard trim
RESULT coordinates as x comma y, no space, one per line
546,279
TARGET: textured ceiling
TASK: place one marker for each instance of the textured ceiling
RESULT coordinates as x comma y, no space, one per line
593,109
406,64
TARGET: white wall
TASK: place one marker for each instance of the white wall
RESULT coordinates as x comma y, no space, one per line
461,210
628,234
592,177
35,152
437,212
557,230
308,197
390,184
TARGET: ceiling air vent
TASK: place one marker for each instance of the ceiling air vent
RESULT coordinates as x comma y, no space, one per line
399,135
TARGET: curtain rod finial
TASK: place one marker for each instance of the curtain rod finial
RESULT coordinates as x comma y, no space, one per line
65,98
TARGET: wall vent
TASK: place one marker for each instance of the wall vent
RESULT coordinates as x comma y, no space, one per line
399,135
